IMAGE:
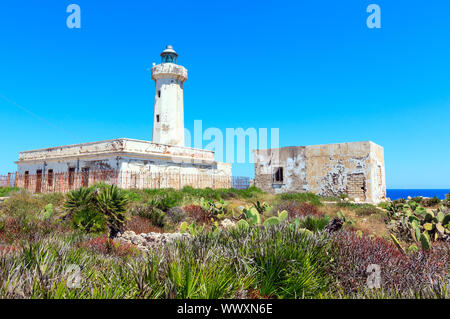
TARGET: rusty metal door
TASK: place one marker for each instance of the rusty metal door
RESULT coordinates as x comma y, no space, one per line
85,177
38,180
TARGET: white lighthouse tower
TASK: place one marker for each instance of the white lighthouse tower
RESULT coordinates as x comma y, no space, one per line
168,117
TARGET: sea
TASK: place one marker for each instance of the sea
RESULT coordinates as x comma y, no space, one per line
404,193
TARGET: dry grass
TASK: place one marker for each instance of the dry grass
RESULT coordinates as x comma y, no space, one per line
373,224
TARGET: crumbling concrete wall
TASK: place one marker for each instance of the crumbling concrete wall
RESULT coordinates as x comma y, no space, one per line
356,169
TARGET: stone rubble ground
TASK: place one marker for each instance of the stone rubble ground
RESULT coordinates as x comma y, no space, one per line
146,241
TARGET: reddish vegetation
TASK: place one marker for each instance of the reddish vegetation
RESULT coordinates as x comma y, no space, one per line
141,225
198,214
255,294
108,246
353,254
6,249
296,209
16,229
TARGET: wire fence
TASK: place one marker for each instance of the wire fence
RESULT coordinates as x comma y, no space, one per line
67,181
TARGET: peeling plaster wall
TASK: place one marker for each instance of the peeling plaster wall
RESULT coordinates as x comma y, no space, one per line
356,169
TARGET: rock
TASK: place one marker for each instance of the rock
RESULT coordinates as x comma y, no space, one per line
150,240
128,234
227,223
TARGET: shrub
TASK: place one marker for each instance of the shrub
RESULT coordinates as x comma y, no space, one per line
23,204
417,199
152,213
447,201
165,198
176,214
314,223
198,214
112,203
79,199
140,225
429,202
107,246
165,202
297,209
352,255
89,221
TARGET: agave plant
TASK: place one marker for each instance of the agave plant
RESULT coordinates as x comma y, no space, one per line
79,199
112,203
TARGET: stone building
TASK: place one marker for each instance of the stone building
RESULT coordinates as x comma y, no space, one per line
355,169
165,160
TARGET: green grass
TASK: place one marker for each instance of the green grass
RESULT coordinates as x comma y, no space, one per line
187,194
301,197
6,191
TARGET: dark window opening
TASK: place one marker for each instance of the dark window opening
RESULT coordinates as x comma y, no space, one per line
50,178
159,93
71,176
157,118
278,175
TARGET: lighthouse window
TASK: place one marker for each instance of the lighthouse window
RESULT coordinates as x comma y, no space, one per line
157,118
159,93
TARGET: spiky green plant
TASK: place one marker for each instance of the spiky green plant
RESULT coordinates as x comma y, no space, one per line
112,203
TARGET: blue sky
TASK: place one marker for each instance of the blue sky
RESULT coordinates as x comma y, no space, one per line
311,68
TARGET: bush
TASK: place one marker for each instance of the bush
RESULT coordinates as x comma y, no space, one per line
417,199
106,200
447,201
430,202
314,223
89,221
198,214
141,225
176,214
80,199
107,246
353,254
152,213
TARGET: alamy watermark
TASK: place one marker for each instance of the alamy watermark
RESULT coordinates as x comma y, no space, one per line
73,276
73,21
374,20
236,145
374,276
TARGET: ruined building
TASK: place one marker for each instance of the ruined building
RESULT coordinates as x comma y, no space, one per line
165,162
355,169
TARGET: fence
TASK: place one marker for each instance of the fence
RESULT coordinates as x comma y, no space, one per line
67,181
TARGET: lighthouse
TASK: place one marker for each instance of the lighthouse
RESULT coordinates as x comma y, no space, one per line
168,117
